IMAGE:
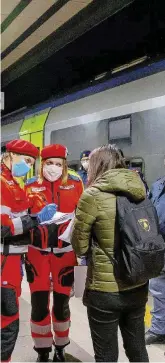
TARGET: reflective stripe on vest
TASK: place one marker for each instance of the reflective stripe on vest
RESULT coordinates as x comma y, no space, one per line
18,227
5,210
19,214
55,250
15,249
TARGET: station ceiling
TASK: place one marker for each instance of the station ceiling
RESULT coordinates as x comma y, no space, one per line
50,46
32,30
25,24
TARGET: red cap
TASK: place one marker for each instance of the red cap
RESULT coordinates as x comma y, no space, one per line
22,147
54,151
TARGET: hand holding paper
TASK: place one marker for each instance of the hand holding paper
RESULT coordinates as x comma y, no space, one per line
47,213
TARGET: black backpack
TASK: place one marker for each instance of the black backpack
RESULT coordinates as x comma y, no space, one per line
139,247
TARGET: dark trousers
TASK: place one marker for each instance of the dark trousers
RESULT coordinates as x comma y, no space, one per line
10,292
62,269
107,312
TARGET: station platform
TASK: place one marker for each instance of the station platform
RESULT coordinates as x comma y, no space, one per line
81,345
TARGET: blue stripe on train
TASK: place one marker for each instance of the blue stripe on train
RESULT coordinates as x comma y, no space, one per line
124,78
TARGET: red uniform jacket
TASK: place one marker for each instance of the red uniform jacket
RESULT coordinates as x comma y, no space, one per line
66,198
15,221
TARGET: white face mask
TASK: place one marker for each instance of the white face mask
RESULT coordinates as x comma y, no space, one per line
85,164
52,172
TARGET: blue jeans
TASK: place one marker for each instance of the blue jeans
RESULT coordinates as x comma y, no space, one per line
157,289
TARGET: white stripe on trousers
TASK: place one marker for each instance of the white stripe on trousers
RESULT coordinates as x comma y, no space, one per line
39,329
61,326
61,341
43,342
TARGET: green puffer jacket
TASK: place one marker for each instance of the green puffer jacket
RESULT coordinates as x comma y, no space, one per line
97,211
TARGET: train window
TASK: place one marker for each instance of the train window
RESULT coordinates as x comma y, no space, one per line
120,129
138,166
3,147
137,163
127,161
74,166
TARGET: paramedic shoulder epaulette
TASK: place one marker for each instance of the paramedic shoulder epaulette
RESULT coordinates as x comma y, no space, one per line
73,175
31,180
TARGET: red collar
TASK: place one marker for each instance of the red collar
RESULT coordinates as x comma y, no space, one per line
49,184
6,171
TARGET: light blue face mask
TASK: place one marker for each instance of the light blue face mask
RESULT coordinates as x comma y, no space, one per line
20,169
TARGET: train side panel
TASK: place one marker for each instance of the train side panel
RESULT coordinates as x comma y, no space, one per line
32,130
10,131
140,95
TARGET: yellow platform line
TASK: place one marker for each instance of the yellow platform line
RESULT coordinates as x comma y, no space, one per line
148,316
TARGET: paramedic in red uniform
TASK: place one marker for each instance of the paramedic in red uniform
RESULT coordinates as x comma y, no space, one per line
51,255
15,223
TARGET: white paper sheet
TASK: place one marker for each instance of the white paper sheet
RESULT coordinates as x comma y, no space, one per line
66,236
60,218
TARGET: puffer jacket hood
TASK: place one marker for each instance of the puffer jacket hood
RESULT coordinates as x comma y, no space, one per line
122,181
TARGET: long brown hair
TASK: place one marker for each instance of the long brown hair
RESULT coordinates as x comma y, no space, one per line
102,159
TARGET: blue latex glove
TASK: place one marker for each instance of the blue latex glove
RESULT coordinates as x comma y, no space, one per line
47,213
83,261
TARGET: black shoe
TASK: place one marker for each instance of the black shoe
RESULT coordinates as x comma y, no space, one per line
59,355
151,338
44,357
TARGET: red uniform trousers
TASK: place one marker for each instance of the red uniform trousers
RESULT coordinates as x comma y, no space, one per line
61,266
10,291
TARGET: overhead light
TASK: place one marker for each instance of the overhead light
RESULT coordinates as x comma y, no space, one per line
129,65
100,76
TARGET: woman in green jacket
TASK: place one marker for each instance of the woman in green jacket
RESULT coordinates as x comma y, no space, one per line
110,304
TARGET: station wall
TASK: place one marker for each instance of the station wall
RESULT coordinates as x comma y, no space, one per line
148,140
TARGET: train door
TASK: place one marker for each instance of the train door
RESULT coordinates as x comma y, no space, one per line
33,130
37,140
